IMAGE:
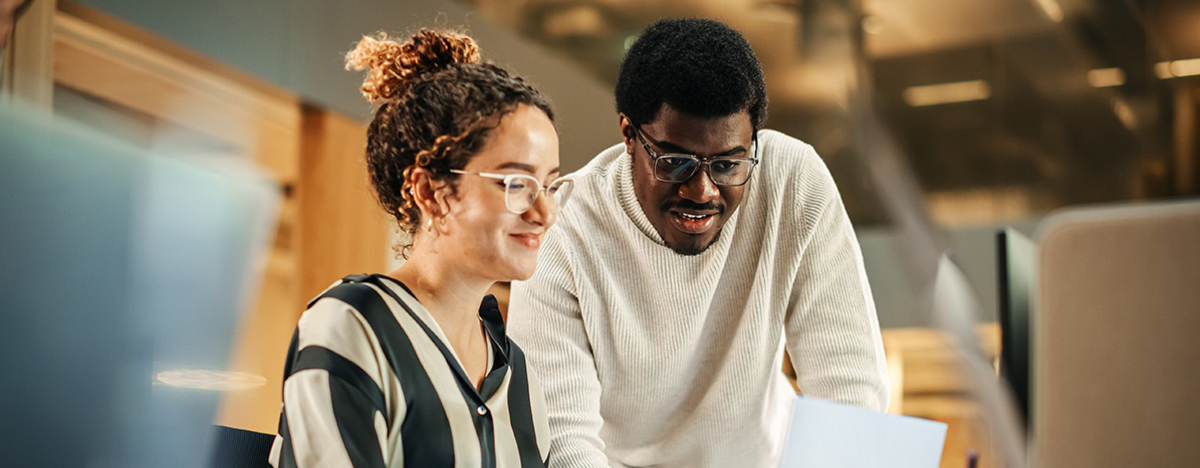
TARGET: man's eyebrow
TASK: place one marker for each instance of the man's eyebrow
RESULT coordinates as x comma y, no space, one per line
669,147
737,150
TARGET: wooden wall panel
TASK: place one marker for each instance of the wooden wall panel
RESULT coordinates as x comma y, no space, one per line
102,60
342,229
27,71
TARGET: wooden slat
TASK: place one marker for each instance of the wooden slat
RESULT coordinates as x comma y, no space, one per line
102,63
28,59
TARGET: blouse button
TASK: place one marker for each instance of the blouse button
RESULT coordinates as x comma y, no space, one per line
482,410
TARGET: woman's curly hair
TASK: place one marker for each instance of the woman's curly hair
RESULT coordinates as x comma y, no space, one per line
438,102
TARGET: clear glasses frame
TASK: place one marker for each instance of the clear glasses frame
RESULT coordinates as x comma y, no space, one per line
521,191
675,168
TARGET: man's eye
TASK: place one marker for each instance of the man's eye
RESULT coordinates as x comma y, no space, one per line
725,166
517,185
675,162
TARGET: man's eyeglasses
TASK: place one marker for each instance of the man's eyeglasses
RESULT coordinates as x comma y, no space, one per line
521,191
678,168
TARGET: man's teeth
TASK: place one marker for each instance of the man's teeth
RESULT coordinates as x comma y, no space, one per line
689,216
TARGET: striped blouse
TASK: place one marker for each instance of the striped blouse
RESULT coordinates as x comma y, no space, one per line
371,382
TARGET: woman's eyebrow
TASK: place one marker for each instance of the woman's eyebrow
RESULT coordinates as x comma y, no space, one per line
524,167
518,166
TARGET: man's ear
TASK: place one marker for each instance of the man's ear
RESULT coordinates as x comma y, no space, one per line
627,133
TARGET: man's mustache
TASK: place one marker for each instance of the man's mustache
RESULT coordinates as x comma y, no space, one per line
690,205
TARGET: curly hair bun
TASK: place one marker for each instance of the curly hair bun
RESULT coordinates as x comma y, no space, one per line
392,66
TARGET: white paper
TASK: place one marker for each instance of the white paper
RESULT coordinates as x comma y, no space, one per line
831,435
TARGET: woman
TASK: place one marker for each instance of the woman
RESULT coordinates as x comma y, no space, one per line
413,368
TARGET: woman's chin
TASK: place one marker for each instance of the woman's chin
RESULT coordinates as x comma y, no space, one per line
521,271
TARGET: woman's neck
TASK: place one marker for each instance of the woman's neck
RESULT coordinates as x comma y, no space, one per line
450,295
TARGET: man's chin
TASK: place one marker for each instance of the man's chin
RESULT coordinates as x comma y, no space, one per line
691,246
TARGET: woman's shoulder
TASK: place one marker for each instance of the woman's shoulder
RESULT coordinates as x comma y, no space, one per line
351,308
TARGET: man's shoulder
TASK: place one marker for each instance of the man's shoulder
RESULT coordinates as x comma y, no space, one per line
791,173
600,166
780,150
789,164
594,187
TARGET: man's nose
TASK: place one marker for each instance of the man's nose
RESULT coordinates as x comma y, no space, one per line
700,187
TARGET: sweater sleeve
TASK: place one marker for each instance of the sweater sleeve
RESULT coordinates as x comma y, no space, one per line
545,319
831,326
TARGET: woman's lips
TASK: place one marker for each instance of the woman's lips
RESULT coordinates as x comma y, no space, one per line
529,240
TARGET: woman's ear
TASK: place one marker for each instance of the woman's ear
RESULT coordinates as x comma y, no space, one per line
440,195
424,192
431,195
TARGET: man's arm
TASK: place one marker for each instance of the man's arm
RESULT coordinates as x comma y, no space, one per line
545,319
832,328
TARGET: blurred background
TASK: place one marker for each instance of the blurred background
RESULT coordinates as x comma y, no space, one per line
1002,111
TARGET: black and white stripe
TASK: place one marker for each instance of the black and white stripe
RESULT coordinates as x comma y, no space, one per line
371,382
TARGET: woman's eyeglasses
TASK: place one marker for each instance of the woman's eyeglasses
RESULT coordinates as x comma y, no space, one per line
521,191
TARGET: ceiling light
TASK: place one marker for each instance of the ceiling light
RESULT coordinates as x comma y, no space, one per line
1163,70
575,21
1187,67
1106,77
209,379
946,93
1177,68
1052,9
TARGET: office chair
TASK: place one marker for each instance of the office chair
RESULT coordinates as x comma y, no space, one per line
238,448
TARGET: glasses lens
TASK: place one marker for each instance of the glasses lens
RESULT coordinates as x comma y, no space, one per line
674,168
560,192
730,171
519,193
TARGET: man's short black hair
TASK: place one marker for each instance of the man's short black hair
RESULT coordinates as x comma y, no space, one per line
698,66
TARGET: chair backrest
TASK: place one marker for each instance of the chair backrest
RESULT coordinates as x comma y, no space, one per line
239,448
1116,337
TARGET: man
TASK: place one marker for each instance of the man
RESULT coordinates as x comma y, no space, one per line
691,256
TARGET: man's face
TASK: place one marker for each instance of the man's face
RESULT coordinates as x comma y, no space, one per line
688,215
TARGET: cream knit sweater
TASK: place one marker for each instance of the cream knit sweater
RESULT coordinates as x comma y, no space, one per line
651,358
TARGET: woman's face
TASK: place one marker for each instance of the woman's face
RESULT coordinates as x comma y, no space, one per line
482,237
